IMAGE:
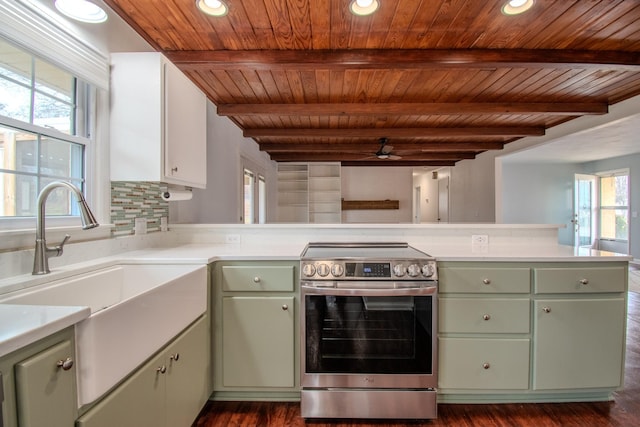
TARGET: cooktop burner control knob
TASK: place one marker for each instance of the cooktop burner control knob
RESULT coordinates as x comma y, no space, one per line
308,270
323,270
414,270
337,270
428,270
399,270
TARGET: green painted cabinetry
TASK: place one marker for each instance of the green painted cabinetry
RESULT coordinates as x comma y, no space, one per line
484,326
531,332
579,327
256,330
169,390
37,391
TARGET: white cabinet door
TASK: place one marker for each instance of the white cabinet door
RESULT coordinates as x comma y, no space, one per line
185,130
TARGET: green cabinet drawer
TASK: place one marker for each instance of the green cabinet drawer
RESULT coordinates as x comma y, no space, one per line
484,280
248,278
491,364
580,280
46,393
483,315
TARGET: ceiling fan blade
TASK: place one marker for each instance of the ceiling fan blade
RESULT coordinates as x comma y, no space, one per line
386,149
394,157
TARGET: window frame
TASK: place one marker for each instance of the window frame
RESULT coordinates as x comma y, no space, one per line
85,104
601,207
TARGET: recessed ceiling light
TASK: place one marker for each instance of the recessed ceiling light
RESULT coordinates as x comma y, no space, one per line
213,7
516,7
363,7
81,10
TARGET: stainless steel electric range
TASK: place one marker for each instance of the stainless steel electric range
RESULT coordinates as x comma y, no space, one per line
368,331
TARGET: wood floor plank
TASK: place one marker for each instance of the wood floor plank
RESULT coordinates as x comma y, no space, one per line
622,412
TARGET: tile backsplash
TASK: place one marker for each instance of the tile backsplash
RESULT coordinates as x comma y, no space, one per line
131,200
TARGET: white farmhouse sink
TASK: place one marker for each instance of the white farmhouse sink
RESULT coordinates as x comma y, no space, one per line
135,310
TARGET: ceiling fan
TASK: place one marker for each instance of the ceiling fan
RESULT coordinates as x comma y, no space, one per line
384,152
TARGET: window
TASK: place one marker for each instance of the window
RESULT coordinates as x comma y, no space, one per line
254,195
43,135
614,206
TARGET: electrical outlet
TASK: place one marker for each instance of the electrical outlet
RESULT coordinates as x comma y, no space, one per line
232,238
480,239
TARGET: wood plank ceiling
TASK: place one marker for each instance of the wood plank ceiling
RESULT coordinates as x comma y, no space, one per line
441,80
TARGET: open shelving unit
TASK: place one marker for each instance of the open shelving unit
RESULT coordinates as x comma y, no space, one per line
309,192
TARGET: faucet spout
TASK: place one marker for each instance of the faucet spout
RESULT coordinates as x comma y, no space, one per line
42,251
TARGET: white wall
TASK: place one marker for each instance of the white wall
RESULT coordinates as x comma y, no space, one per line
221,201
539,193
472,189
378,183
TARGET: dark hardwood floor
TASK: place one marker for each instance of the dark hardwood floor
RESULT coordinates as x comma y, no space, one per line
623,411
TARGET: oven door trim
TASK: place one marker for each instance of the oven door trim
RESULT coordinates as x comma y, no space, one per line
368,381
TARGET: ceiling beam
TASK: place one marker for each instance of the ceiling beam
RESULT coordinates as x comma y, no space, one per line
336,157
403,59
412,163
412,108
290,147
394,132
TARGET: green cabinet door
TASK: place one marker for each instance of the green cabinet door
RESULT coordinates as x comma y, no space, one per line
138,402
258,341
578,343
188,374
46,392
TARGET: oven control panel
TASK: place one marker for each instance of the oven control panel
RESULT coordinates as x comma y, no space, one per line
367,270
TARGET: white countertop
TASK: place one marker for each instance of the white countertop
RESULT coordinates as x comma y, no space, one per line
22,324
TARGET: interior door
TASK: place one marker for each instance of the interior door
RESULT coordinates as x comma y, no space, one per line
443,199
583,209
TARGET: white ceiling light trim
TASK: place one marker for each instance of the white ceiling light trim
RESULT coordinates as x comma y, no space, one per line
213,7
516,7
81,10
363,7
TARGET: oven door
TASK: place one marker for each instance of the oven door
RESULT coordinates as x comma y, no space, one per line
369,335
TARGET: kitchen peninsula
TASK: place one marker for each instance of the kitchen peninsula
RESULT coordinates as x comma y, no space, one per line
514,307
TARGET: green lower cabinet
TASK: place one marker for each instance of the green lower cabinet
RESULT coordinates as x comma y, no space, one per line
167,391
46,388
257,341
483,364
579,343
38,392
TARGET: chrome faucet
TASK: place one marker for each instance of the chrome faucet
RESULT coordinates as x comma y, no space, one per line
42,253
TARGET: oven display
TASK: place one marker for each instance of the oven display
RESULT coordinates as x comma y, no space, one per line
367,269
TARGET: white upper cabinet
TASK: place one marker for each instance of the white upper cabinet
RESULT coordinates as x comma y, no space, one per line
158,122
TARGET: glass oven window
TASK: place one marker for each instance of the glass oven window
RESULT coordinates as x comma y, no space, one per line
372,335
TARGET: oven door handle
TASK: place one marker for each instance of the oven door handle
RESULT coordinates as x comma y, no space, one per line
376,292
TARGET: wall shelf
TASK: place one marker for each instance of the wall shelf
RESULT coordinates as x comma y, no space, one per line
369,204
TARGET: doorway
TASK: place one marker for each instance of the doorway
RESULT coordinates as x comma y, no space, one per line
584,210
443,199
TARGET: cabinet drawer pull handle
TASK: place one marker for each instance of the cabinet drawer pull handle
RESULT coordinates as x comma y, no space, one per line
546,310
486,317
486,365
486,281
584,281
175,357
65,364
256,279
285,307
174,169
161,369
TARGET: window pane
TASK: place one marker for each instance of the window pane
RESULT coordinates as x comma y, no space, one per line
614,224
614,190
20,106
248,197
53,81
60,158
52,113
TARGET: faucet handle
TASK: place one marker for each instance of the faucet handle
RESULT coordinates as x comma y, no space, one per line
59,248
